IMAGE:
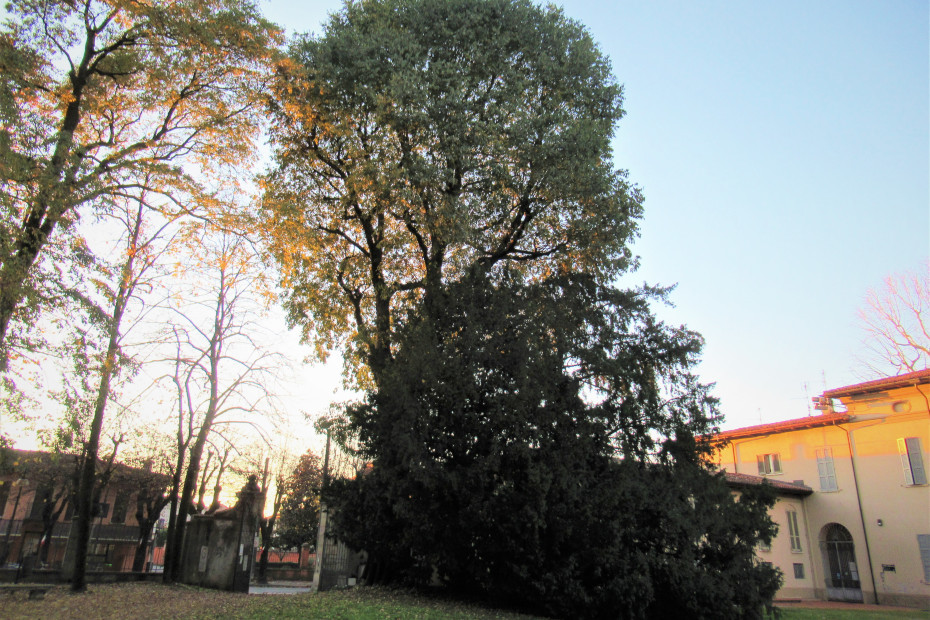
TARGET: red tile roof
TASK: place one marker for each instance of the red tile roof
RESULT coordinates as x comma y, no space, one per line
790,488
887,383
787,425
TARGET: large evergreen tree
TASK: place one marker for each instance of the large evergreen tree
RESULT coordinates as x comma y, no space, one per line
300,508
539,444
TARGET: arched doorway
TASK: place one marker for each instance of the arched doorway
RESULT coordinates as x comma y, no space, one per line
839,564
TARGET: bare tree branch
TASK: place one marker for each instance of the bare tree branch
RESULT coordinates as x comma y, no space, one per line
896,319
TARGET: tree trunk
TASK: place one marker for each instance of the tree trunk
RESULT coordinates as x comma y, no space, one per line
142,547
262,576
193,466
50,516
187,497
215,355
203,482
172,526
85,494
92,448
49,206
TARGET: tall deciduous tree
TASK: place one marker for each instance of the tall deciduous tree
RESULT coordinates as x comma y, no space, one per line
140,249
418,140
897,320
98,96
222,373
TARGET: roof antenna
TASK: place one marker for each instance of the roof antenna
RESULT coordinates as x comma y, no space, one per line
807,397
759,411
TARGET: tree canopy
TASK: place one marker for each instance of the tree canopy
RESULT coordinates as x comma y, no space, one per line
100,99
300,507
418,140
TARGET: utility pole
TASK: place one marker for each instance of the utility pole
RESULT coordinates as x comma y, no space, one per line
324,517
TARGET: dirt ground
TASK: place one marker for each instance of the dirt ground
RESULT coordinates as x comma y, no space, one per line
129,600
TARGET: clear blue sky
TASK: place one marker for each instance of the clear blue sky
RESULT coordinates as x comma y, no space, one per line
784,152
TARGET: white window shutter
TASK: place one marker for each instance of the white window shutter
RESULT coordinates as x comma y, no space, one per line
914,455
905,462
826,470
794,533
923,543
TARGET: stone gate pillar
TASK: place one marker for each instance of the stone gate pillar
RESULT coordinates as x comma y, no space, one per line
218,549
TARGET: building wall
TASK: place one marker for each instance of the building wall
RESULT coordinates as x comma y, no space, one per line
12,516
112,544
781,555
892,514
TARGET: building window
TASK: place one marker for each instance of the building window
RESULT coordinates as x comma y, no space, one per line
100,510
120,507
794,534
4,495
765,546
768,464
912,461
923,543
826,470
798,571
43,497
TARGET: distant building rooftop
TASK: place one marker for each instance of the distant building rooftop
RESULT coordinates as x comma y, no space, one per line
887,383
812,421
788,488
828,419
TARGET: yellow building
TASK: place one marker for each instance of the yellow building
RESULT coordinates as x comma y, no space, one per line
863,534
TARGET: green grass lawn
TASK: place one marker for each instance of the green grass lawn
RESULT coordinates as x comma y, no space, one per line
369,604
152,600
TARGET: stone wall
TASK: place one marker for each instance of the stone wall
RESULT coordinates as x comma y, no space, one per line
218,547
